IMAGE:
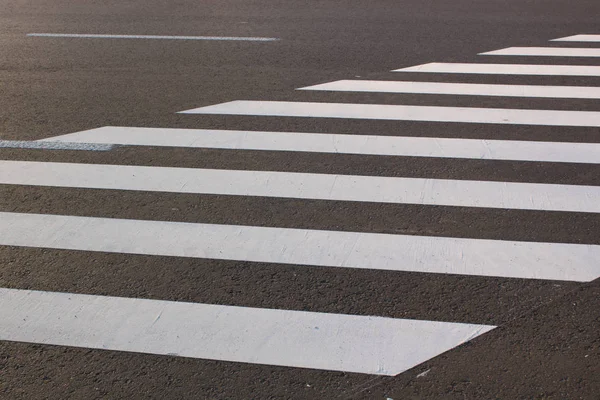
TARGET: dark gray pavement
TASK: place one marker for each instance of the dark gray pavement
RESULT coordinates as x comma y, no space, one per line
548,341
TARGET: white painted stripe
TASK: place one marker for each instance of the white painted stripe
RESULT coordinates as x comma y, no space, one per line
527,260
403,113
51,145
350,343
544,51
578,38
470,89
462,193
505,69
163,37
342,144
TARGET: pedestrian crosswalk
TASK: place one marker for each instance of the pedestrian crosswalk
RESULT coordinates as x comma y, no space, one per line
505,69
579,38
562,152
470,89
350,343
377,189
545,52
357,343
388,112
527,260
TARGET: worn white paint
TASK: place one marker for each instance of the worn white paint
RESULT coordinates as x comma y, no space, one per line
468,89
50,145
403,113
341,144
161,37
544,52
350,343
505,69
510,259
463,193
578,38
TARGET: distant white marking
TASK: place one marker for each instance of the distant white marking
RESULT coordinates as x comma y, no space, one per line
469,89
579,38
462,193
404,113
50,145
505,69
423,374
163,37
526,260
350,343
342,144
544,51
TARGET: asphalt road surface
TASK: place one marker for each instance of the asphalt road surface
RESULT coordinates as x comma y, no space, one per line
421,220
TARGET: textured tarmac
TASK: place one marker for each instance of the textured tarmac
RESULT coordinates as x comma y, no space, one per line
548,341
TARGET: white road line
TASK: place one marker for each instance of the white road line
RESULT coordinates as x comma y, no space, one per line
505,69
469,89
349,343
578,38
462,193
51,145
526,260
163,37
341,144
544,51
403,113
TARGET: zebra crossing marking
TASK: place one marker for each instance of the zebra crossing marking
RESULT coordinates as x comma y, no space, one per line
160,37
349,343
50,145
504,69
403,113
377,251
468,89
517,150
378,189
578,38
337,342
544,52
